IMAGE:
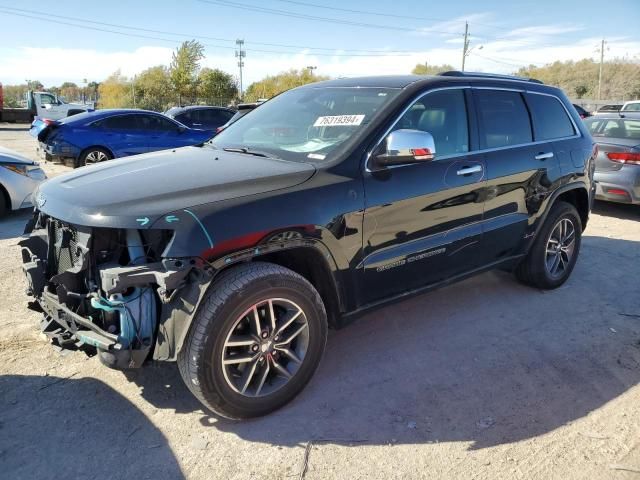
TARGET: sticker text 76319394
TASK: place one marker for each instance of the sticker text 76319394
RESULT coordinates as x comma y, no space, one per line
339,121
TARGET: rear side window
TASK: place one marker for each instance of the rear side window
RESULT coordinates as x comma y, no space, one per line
444,115
183,117
504,117
550,119
120,122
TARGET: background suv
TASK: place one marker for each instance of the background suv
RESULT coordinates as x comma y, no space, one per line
233,257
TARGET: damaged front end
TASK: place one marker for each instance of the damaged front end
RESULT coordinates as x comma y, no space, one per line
111,291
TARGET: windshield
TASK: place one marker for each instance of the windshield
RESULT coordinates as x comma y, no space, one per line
305,124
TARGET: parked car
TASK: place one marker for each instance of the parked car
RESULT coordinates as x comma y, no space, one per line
607,109
617,172
581,111
94,137
242,110
19,176
233,257
631,106
202,117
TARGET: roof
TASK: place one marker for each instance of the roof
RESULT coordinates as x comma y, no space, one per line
196,107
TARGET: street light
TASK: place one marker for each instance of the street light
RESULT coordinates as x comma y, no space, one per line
311,68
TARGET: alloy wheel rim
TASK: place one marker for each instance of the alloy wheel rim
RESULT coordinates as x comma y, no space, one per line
265,347
95,157
560,248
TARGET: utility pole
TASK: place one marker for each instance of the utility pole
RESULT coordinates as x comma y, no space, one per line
465,45
240,54
602,44
311,68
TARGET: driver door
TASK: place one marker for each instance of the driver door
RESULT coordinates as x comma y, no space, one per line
422,221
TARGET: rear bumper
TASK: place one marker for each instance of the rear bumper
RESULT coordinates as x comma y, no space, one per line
56,152
622,186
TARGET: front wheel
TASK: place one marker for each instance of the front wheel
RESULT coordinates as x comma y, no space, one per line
555,250
255,342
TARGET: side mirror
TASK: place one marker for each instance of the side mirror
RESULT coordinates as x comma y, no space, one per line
405,146
182,129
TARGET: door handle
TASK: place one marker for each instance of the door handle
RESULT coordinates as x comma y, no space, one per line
469,170
544,156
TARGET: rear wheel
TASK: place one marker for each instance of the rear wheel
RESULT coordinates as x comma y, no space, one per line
255,341
4,207
94,155
555,250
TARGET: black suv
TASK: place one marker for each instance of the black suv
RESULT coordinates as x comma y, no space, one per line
232,258
201,117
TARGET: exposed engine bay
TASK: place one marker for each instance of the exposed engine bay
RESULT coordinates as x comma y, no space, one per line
110,291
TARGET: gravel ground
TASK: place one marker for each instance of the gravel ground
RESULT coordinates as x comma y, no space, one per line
485,379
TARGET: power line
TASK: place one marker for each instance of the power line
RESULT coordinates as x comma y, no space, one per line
288,13
228,47
190,35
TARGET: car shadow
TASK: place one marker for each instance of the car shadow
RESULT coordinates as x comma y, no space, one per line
12,225
623,211
82,428
15,129
487,361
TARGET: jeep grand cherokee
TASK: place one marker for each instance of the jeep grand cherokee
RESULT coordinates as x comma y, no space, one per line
233,257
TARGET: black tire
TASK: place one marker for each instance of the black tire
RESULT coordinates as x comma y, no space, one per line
93,152
533,269
234,292
4,206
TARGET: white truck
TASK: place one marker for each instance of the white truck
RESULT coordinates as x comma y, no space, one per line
42,105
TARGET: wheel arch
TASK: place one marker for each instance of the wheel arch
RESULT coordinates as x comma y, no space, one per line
575,194
7,199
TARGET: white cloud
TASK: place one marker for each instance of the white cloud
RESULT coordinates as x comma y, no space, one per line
53,66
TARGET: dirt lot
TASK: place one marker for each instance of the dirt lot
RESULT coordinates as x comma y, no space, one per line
485,379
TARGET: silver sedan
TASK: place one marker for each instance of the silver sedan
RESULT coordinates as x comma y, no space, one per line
617,172
19,177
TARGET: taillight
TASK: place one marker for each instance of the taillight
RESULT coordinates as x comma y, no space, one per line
48,121
624,157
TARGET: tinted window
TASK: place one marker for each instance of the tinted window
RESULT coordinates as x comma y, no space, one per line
504,117
443,115
550,119
158,124
183,118
120,122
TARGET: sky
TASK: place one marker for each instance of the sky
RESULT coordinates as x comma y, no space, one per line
70,40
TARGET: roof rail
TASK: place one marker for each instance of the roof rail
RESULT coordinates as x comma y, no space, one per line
457,73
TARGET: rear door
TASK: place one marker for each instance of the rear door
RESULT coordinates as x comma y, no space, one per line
422,222
124,134
520,172
163,133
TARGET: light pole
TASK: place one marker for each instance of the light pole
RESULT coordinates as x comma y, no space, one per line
240,55
311,68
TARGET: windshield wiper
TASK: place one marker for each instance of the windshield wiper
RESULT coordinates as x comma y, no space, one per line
246,151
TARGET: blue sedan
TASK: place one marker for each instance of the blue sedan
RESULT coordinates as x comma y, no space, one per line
97,136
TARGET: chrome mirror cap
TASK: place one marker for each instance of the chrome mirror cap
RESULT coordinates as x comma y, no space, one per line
405,146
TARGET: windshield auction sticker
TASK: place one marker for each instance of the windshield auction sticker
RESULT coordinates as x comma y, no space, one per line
339,121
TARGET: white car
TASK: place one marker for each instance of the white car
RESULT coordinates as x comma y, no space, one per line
19,176
632,106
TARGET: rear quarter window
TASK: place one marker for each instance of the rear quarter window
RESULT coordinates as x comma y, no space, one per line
550,118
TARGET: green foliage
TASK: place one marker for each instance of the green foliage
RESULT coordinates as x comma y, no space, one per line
153,89
216,87
115,92
185,64
620,78
426,69
14,95
275,84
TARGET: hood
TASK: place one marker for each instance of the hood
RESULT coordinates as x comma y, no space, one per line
9,156
135,191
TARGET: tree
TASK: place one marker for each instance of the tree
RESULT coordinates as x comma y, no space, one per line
115,92
216,87
426,69
153,89
275,84
183,71
70,91
620,77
